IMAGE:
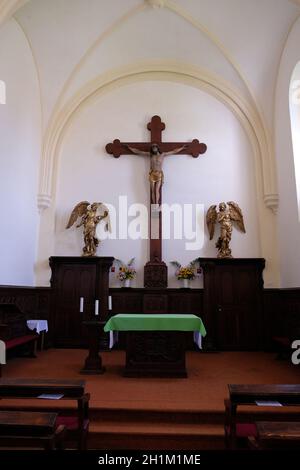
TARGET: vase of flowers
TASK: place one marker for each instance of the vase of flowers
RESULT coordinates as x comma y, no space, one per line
185,273
126,272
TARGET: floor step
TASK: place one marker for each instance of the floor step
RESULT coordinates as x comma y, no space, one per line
149,436
157,416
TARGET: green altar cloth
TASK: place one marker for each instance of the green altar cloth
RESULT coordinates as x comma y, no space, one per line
162,322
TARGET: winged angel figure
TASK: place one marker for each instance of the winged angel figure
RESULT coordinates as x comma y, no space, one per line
91,215
227,215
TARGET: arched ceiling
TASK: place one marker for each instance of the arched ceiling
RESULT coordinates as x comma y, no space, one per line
9,7
63,36
52,30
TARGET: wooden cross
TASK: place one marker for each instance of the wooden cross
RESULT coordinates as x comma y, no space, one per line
194,148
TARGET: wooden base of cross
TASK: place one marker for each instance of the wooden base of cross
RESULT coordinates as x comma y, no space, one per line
156,274
155,271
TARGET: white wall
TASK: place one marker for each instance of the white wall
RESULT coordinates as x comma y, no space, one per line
19,156
288,217
225,172
215,37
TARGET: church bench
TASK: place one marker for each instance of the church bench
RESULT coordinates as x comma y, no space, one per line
276,435
76,422
14,331
247,395
30,429
30,339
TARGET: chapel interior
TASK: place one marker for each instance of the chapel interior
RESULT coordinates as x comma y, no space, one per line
150,226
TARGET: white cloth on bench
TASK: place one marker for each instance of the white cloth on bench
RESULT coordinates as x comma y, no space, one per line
38,325
2,352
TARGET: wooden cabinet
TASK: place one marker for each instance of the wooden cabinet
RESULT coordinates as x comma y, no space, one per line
152,301
233,302
74,278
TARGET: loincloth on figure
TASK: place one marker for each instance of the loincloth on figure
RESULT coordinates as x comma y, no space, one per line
156,176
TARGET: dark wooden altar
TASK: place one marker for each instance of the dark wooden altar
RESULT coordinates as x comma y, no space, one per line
155,354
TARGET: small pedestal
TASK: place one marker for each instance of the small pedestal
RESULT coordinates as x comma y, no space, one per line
93,362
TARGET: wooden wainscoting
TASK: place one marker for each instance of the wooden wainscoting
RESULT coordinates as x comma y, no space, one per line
280,313
34,302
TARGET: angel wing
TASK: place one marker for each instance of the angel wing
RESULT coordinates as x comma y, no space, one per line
175,264
194,262
236,215
103,212
119,262
78,211
211,218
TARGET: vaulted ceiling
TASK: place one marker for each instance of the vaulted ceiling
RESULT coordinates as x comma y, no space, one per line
73,41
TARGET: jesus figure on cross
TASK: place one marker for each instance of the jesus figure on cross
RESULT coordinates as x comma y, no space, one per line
156,174
156,271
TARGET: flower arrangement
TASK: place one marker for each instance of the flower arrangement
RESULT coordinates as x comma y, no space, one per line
126,271
185,272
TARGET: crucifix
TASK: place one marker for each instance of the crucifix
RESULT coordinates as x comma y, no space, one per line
156,273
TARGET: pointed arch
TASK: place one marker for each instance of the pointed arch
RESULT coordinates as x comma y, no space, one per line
9,7
247,115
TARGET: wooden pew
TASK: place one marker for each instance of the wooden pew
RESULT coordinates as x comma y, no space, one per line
245,395
276,435
30,429
14,331
77,423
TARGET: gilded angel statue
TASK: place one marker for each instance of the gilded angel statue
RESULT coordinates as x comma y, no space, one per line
91,215
227,215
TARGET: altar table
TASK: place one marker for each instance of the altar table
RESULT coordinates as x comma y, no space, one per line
155,344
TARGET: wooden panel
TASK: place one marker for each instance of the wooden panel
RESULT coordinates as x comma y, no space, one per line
126,302
157,300
155,303
280,314
34,303
233,308
227,319
73,278
71,282
155,354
